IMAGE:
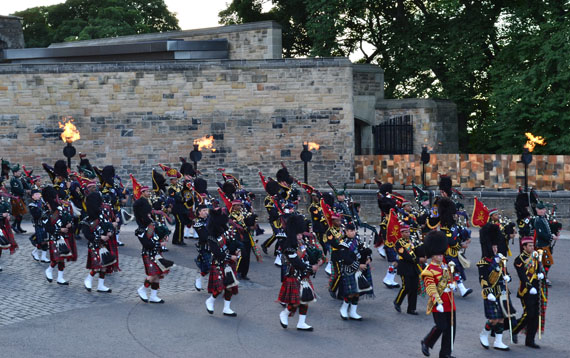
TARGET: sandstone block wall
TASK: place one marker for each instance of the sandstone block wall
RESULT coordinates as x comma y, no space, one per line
136,115
496,171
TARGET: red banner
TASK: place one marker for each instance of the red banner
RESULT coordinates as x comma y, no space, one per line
171,172
392,228
480,215
136,188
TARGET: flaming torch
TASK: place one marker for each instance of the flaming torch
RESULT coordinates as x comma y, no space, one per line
69,135
306,156
526,157
206,142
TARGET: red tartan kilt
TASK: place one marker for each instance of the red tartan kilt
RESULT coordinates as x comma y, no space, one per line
93,262
18,206
290,291
151,268
216,280
54,252
113,248
72,244
10,237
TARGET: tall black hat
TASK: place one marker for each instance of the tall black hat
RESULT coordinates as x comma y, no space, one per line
49,194
283,175
60,168
108,174
187,168
445,184
435,243
229,189
386,188
446,210
489,235
295,225
522,205
158,182
217,223
201,185
272,187
93,203
141,209
328,198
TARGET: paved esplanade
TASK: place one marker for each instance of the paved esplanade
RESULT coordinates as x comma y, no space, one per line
41,319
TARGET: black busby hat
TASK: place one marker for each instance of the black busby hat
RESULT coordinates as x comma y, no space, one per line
49,194
282,175
229,189
489,235
445,184
446,210
328,199
295,225
385,188
187,169
93,203
141,209
158,182
435,243
272,187
60,168
108,174
218,222
201,185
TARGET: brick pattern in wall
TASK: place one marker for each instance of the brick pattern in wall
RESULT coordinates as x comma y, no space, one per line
546,172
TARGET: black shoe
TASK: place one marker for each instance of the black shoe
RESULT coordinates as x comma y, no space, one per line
532,345
66,283
108,291
310,329
16,230
120,244
468,292
264,249
425,349
515,338
397,307
22,231
244,278
413,313
230,314
164,249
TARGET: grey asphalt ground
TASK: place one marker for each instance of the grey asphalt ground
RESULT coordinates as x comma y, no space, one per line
41,319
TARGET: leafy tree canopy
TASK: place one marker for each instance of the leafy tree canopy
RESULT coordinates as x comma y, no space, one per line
92,19
505,63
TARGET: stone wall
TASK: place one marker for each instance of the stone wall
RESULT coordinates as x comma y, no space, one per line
253,41
11,34
435,121
497,171
136,115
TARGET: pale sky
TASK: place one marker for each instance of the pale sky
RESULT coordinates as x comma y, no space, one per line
191,14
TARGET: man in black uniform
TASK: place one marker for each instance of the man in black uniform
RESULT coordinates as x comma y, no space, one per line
530,274
409,271
18,188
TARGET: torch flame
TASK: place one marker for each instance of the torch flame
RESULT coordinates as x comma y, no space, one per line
206,142
533,141
70,133
313,145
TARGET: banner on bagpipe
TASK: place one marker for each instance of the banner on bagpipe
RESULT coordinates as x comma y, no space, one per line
136,188
393,228
480,214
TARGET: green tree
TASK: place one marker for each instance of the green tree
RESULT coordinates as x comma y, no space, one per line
531,81
92,19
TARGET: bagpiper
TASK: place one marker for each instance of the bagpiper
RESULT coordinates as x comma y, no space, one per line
225,254
544,238
204,258
7,241
492,276
37,208
296,288
18,188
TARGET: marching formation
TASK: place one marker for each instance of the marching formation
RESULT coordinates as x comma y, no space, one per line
423,242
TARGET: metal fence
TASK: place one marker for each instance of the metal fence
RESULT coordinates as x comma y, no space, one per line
394,136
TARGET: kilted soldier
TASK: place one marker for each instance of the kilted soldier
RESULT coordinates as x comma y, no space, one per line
57,226
544,238
296,288
438,281
523,204
18,188
492,276
530,275
347,259
457,238
7,241
102,251
113,196
318,219
409,270
39,239
273,211
156,267
204,259
225,255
